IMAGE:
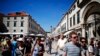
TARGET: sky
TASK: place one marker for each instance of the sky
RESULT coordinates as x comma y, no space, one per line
45,12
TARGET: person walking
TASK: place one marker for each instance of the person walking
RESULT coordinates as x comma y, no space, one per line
20,50
91,47
60,45
98,48
6,49
84,48
72,48
38,48
46,40
28,46
49,45
14,45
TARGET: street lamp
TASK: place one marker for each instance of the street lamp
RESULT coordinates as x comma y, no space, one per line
51,30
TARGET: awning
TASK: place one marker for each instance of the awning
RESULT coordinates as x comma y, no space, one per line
18,33
39,35
8,33
32,34
67,32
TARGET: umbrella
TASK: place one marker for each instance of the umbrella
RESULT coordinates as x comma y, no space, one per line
32,34
39,35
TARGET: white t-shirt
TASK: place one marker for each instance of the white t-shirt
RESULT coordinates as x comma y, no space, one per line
61,43
90,49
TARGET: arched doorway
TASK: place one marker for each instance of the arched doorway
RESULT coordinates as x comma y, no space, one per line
91,16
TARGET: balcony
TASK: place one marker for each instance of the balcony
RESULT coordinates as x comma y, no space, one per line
82,3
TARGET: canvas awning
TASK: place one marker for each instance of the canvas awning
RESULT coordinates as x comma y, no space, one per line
5,33
67,32
8,33
39,35
32,34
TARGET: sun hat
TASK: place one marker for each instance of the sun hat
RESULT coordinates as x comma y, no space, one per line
20,39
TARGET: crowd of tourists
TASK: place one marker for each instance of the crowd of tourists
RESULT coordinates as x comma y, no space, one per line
75,46
28,46
21,46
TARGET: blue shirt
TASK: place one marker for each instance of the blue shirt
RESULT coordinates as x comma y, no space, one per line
14,46
71,49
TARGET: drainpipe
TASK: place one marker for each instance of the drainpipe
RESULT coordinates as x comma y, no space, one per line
95,23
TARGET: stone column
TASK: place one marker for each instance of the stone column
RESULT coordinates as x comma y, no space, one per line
83,32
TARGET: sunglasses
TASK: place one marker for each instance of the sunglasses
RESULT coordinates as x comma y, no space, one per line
75,37
83,41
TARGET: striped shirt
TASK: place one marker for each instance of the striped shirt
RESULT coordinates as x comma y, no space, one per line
71,49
